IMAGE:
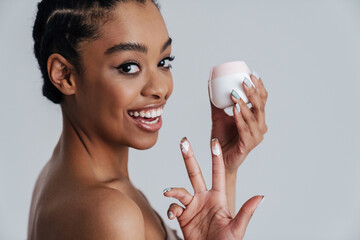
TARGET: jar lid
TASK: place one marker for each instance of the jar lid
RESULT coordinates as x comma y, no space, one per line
228,69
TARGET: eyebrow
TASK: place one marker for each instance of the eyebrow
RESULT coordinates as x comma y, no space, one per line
166,45
138,47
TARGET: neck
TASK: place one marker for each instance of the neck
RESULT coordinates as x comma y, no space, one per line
90,155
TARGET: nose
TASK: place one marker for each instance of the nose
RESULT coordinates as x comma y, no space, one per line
158,86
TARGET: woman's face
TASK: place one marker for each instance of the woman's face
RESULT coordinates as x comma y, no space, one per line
127,79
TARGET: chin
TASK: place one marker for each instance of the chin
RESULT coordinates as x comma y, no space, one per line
145,142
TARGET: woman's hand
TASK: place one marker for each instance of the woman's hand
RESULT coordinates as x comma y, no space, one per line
238,135
206,215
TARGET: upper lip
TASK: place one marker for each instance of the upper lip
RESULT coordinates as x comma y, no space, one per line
151,106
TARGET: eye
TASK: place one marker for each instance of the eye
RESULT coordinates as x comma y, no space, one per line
129,68
165,63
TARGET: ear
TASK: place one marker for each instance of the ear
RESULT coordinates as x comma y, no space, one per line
61,74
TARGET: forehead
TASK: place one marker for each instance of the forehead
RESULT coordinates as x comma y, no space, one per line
133,22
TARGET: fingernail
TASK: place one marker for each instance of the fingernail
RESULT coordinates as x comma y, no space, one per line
215,147
235,94
184,145
256,75
170,215
262,200
247,83
237,107
167,190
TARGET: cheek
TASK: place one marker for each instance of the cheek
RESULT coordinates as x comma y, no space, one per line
120,96
105,103
123,94
117,97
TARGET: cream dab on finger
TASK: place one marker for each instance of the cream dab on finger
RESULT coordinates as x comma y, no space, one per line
185,146
215,148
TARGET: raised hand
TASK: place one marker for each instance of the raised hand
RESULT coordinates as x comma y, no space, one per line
238,135
205,214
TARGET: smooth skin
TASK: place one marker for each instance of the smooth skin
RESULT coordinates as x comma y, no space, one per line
210,214
84,191
206,215
240,134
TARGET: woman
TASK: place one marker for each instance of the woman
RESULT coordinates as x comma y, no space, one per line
107,63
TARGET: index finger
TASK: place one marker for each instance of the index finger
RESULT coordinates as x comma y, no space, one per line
192,167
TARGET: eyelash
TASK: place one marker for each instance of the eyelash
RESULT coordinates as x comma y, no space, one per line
170,59
127,64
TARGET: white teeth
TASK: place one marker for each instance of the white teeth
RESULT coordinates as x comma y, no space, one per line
153,113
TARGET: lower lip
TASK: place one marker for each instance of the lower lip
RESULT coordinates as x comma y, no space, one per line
148,127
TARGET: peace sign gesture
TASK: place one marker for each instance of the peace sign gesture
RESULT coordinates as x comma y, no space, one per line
206,215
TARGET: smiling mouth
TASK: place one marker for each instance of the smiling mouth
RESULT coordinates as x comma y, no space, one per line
147,116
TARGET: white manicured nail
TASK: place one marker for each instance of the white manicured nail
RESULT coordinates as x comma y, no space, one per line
170,215
262,200
215,148
185,146
247,83
235,94
167,190
255,74
237,107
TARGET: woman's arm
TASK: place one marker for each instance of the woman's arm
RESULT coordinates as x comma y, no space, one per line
230,180
241,133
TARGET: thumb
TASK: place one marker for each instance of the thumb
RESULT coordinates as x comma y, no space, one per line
244,215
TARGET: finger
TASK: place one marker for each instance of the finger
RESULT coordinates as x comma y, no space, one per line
244,215
258,105
260,86
218,168
241,125
192,167
263,93
257,85
249,117
255,79
254,98
174,211
180,194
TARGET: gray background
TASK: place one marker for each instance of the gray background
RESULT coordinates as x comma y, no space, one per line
308,55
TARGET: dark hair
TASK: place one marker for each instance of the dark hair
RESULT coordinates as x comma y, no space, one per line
60,26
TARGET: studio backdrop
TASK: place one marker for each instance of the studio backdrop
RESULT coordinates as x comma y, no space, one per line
308,165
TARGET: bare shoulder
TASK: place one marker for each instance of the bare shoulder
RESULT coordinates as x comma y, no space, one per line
110,214
96,213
